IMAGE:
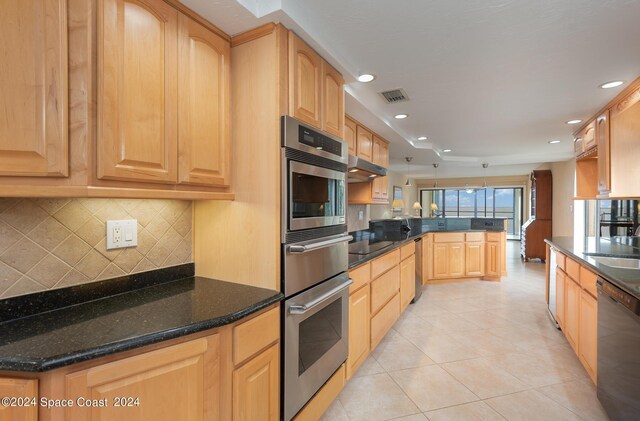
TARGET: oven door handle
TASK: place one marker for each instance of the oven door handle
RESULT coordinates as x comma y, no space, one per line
303,308
319,244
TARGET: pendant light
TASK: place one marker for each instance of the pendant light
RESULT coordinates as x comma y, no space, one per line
435,185
484,177
408,182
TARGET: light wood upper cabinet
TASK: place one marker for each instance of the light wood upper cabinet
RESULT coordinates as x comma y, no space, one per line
474,254
177,382
33,86
203,105
588,334
359,328
305,82
624,150
350,127
380,189
137,91
19,388
332,101
602,140
380,152
256,391
589,136
364,141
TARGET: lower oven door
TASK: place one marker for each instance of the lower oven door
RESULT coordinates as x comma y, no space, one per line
315,340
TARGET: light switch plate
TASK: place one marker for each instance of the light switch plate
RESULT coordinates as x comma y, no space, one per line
122,233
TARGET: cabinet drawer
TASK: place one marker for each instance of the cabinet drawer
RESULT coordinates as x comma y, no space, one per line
561,261
573,269
449,237
360,277
493,236
383,288
254,335
588,281
475,236
407,250
384,263
382,322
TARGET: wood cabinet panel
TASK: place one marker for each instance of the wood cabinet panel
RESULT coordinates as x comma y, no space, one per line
382,322
360,276
255,334
359,329
380,152
350,128
624,151
573,269
384,263
474,255
561,260
34,100
493,257
203,106
448,237
476,236
384,287
364,141
588,281
256,388
456,260
305,81
137,91
440,260
380,189
589,136
177,382
572,313
332,101
407,250
588,334
19,388
407,281
604,159
561,289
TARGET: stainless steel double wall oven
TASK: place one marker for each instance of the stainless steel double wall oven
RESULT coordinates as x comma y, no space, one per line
314,261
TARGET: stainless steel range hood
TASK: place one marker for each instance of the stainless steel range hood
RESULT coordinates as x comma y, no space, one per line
361,170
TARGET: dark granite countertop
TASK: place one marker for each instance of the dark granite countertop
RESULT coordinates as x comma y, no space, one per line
581,249
127,320
398,237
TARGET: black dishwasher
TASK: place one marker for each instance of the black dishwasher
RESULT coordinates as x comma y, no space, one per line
618,352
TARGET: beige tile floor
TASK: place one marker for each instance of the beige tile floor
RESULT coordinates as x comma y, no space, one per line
473,351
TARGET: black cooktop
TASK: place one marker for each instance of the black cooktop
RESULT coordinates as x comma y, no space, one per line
365,247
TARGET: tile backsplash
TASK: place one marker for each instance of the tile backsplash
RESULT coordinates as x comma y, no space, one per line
53,243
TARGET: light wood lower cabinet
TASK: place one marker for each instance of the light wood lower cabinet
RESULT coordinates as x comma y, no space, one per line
572,313
493,255
384,287
256,391
19,388
359,329
384,319
170,384
588,334
407,281
561,288
474,255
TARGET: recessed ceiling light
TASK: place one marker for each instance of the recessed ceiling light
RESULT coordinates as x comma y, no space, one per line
353,170
553,142
446,150
613,84
401,116
422,138
576,121
366,77
372,175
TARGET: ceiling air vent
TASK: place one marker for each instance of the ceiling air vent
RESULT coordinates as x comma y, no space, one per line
395,95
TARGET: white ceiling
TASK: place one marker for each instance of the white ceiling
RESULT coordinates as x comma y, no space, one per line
493,80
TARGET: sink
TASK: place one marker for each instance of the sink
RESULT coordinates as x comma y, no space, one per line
618,262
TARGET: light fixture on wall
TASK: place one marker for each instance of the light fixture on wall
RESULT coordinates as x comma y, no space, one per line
436,165
408,182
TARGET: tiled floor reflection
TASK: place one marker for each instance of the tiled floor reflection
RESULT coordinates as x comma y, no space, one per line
473,351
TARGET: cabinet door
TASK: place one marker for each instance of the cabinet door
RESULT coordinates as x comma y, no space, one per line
602,139
364,140
359,329
456,260
332,101
493,266
19,388
572,313
137,88
384,154
180,382
623,149
33,86
407,281
203,106
561,289
350,135
440,260
588,336
589,136
380,189
474,255
378,148
256,392
304,81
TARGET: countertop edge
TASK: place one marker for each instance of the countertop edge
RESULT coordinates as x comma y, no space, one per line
40,366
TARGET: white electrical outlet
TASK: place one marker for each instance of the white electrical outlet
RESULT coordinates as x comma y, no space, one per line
360,215
121,234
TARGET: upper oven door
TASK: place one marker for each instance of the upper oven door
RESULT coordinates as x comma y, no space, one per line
316,196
